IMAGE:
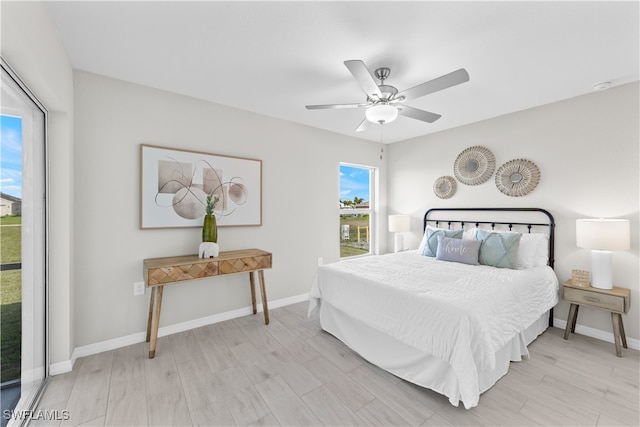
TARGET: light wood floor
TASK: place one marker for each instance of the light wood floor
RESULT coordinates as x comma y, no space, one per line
241,372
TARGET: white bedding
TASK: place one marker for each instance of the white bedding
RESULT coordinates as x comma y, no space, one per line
459,313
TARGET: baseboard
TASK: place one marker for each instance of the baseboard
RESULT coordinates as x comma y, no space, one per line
87,350
596,333
61,367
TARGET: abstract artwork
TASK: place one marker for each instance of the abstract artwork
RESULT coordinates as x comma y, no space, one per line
175,185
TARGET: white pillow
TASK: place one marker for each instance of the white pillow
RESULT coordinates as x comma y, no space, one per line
423,242
542,250
469,234
527,250
533,250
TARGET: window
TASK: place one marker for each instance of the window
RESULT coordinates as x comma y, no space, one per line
22,244
356,210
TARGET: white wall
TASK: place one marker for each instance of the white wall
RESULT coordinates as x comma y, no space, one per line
299,191
586,148
30,44
587,151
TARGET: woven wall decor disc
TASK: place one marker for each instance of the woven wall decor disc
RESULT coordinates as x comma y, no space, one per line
474,165
444,187
517,177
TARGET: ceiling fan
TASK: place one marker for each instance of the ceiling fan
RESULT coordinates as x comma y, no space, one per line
384,102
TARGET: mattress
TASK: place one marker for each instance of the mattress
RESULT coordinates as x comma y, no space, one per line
465,318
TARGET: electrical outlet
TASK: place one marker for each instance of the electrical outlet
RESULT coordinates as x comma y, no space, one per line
320,261
138,288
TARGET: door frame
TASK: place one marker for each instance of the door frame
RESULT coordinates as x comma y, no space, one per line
35,396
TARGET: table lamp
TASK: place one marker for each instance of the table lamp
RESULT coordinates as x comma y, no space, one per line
399,224
602,236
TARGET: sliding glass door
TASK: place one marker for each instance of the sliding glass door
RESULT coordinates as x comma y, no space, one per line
23,242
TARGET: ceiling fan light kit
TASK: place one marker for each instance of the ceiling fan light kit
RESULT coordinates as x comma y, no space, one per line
384,103
381,113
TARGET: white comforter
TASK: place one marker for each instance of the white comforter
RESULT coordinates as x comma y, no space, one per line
460,313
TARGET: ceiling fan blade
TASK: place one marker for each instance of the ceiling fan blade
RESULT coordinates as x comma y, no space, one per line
364,78
414,113
335,106
442,82
363,126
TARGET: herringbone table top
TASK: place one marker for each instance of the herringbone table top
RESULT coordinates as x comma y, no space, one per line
166,270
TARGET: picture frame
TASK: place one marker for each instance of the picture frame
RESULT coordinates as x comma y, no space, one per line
580,278
174,184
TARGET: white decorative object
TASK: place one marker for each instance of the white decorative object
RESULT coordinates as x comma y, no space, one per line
517,177
602,236
474,165
399,224
444,187
208,250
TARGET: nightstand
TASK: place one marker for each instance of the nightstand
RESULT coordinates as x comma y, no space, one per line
615,300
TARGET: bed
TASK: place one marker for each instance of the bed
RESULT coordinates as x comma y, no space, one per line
436,318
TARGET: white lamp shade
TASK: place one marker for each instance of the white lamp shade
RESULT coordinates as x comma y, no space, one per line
399,223
603,234
381,113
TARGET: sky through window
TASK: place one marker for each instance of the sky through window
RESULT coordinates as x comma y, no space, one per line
354,182
11,155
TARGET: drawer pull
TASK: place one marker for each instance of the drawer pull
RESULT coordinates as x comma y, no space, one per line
592,299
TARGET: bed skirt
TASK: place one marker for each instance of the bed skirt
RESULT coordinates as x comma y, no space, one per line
415,366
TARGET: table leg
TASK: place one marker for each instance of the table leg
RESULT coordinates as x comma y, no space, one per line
575,319
252,281
615,320
623,336
263,291
157,304
151,303
571,320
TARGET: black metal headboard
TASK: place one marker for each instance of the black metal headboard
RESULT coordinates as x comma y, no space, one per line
436,217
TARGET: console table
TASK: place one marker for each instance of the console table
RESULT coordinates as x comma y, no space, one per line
169,270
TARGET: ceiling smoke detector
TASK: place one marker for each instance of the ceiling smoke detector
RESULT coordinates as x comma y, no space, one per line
601,86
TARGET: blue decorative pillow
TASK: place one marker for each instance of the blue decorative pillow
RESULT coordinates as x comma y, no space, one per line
431,245
458,250
499,249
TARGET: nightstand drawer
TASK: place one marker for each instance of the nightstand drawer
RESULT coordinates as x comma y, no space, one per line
595,299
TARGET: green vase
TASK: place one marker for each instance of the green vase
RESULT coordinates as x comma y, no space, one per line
210,229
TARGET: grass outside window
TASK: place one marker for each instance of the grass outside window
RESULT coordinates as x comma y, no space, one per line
358,243
10,299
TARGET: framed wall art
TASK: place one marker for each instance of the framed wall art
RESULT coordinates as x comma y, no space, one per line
174,185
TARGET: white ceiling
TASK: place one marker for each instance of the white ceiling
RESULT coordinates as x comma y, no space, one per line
274,58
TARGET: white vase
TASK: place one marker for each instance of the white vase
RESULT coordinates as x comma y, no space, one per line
208,250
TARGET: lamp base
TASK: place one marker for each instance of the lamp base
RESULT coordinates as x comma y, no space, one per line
601,270
399,243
